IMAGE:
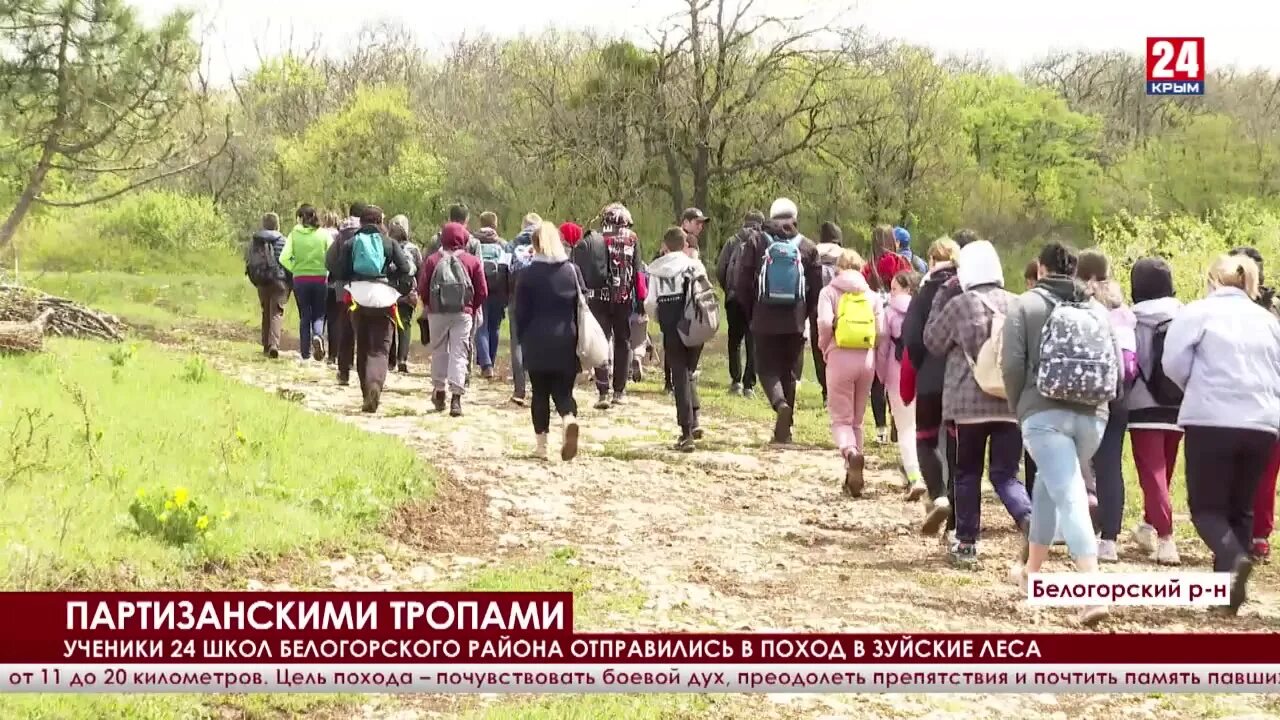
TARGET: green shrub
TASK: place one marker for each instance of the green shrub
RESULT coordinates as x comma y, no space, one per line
174,517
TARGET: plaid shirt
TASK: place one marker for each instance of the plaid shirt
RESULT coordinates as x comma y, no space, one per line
961,326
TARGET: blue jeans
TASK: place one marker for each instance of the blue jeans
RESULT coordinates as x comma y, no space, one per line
1061,442
490,334
312,312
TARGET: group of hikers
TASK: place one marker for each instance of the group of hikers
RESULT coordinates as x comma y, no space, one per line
964,375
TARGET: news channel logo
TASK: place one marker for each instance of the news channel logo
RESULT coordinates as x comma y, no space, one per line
1175,66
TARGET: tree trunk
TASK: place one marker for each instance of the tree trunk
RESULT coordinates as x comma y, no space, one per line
35,183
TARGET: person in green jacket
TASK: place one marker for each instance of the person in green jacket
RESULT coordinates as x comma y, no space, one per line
303,255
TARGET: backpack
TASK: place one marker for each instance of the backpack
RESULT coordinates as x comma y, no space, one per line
731,271
781,274
620,246
986,367
1078,362
1163,390
829,271
855,322
368,254
261,264
592,259
701,319
491,259
450,289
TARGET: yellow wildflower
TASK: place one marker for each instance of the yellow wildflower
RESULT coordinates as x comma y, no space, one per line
142,493
164,517
168,505
181,496
202,522
226,514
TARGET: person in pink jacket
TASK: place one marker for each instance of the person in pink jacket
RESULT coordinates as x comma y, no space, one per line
889,353
850,372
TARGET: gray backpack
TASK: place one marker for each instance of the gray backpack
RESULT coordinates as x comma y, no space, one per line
701,319
1078,362
450,288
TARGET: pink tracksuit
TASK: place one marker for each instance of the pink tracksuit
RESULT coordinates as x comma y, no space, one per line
849,372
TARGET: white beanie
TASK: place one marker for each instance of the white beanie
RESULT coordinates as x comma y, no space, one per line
783,208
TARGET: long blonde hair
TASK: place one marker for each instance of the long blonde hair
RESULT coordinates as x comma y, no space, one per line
547,242
1237,271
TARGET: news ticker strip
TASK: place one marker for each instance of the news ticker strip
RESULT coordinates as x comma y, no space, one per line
655,678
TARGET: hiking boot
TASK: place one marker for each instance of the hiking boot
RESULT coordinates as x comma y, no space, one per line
782,424
1144,536
540,450
486,373
936,517
696,433
437,400
455,406
963,555
685,444
1240,583
344,380
603,402
1091,616
916,490
569,443
620,397
371,401
517,400
1107,552
317,347
736,389
273,353
404,368
748,393
853,478
1260,551
1166,552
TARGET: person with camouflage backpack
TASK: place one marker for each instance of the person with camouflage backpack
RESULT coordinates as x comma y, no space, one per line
262,267
452,286
612,304
742,377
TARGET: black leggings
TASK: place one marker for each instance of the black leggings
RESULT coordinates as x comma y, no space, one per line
1224,467
549,387
879,401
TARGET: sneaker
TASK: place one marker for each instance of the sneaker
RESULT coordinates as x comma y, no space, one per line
517,400
273,353
603,402
748,392
620,397
1166,552
438,400
403,367
343,381
486,373
937,516
853,475
1240,583
735,389
782,424
696,433
1107,551
371,402
540,450
1018,576
1260,551
685,444
1144,536
963,555
916,490
317,347
569,444
882,435
1091,616
455,406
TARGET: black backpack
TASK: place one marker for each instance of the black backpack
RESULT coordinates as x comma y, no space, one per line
592,258
261,264
1163,390
731,270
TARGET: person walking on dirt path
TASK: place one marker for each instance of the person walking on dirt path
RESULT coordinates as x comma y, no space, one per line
675,277
373,270
958,330
850,321
546,327
521,250
1107,469
935,447
1062,435
830,250
612,305
408,302
1154,434
903,237
886,263
343,344
779,303
889,354
742,376
303,256
496,261
1224,352
453,288
264,269
1264,503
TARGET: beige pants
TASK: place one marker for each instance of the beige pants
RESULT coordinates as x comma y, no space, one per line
450,351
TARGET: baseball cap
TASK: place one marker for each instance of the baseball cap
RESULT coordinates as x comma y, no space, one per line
693,214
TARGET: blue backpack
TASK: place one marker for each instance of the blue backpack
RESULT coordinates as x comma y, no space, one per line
368,255
781,273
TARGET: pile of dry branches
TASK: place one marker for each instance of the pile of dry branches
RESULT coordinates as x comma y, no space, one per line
23,311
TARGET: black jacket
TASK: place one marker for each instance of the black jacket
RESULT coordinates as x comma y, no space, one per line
546,316
777,319
338,259
726,254
930,370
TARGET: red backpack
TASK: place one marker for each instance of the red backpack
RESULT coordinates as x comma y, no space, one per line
622,246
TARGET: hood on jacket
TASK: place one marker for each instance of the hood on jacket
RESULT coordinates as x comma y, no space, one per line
979,264
571,233
1153,312
900,302
1063,287
268,235
488,235
351,223
829,252
524,238
672,265
830,233
1107,292
850,281
454,237
1151,279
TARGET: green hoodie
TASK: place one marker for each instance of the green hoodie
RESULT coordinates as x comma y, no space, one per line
304,251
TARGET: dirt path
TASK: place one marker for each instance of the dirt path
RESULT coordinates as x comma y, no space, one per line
737,536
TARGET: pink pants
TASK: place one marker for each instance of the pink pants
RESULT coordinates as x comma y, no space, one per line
1264,500
1155,452
849,377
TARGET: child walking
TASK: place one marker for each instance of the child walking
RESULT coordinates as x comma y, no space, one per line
850,318
889,353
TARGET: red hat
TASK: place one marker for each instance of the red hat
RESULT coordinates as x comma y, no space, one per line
571,233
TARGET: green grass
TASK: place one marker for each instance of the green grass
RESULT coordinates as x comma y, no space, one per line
601,707
152,420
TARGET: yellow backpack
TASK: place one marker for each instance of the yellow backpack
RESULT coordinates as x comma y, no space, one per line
855,322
